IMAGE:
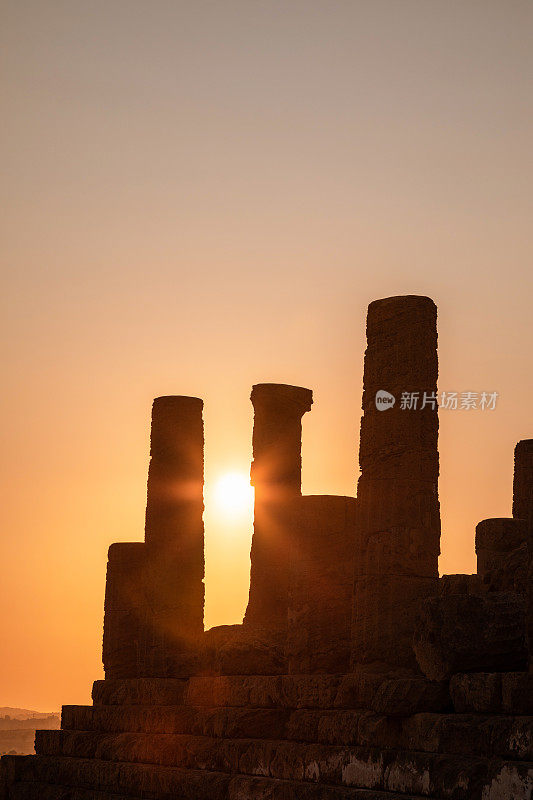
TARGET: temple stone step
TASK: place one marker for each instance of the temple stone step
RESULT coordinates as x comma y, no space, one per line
505,737
129,780
139,691
509,737
240,788
400,694
219,722
37,778
358,767
49,791
493,692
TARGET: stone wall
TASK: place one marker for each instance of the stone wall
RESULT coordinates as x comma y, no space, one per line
481,622
501,547
321,584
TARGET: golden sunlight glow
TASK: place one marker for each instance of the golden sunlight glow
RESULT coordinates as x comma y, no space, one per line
233,494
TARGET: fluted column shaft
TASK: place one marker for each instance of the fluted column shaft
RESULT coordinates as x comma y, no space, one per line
174,535
398,528
276,475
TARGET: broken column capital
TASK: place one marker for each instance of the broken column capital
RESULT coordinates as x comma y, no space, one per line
282,398
278,411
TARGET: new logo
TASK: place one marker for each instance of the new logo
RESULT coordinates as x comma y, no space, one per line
384,400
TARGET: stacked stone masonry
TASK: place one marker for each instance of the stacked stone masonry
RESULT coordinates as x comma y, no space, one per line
523,510
321,584
357,673
398,532
276,475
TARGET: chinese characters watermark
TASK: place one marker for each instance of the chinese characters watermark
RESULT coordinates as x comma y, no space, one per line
452,401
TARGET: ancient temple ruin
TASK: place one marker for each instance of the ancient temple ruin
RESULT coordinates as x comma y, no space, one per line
357,672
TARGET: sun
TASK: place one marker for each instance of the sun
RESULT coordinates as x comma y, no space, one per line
233,494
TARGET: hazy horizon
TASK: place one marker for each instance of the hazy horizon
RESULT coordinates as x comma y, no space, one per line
203,196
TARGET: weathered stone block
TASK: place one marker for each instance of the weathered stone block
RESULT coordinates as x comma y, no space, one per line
505,572
406,696
357,688
140,691
508,737
517,692
460,584
243,650
385,611
397,531
258,691
236,691
464,633
321,584
309,691
501,547
479,692
500,535
395,551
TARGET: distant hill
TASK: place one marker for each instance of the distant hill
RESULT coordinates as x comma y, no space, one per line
18,726
24,713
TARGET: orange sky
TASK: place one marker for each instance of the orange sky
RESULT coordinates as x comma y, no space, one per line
198,196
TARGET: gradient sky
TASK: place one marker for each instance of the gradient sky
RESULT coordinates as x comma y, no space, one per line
198,196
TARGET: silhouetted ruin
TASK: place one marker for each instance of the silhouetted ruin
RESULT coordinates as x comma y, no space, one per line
398,529
357,673
276,474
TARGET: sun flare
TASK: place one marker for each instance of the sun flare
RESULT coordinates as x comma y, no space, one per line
233,494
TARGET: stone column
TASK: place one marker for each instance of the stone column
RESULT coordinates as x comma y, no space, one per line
124,609
523,509
501,548
175,536
276,474
523,481
398,527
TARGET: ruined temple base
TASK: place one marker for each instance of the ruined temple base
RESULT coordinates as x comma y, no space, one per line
367,735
